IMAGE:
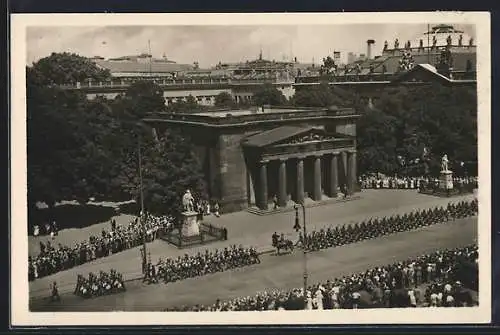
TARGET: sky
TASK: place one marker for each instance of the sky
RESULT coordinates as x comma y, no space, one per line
210,44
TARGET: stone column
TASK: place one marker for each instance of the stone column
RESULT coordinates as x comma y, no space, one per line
282,194
300,180
354,168
334,176
345,168
263,199
317,179
351,173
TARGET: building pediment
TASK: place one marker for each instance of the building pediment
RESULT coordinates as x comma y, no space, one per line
314,135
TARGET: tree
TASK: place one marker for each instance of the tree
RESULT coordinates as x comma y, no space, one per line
79,149
406,120
267,94
170,167
55,145
144,97
169,164
190,105
224,100
317,96
67,68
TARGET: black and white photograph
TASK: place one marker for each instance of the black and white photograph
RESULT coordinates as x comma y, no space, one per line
315,168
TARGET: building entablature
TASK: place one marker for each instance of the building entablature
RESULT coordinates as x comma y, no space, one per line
306,149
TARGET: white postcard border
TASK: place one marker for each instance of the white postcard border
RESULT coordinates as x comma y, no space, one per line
20,315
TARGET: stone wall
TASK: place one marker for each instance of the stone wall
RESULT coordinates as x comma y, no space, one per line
232,176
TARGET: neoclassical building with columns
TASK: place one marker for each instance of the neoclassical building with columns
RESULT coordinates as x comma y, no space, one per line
251,157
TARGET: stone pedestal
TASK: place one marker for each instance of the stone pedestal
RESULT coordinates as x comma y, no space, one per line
190,224
446,180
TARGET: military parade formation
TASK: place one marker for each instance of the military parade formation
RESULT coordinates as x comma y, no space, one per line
377,227
172,270
99,285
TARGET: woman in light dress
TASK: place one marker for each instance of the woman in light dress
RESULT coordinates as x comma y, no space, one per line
319,299
434,300
36,230
413,299
355,300
309,301
334,294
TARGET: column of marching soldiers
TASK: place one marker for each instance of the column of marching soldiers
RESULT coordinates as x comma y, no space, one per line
171,270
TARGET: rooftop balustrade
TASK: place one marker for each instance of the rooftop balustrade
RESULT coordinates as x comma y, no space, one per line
124,83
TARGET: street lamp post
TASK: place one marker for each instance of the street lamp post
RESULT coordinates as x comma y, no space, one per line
143,223
304,249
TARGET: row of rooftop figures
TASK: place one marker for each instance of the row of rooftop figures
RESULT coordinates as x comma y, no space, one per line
449,42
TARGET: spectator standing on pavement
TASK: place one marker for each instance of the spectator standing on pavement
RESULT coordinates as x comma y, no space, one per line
275,202
36,230
216,209
55,293
55,229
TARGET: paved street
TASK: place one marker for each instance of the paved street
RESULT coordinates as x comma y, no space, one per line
244,228
276,271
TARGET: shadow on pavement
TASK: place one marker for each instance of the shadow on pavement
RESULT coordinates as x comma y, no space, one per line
70,216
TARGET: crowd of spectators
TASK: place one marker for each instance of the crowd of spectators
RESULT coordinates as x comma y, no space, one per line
52,259
434,279
386,182
103,284
375,227
172,270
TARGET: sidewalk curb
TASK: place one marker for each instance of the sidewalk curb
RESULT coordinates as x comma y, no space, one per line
260,212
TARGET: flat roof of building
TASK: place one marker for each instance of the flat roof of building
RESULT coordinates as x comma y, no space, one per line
232,118
254,111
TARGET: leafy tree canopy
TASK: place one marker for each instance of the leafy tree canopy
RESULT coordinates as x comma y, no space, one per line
190,105
224,100
67,68
170,167
267,94
392,136
317,96
79,148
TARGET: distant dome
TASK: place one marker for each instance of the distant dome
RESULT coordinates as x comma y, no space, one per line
441,32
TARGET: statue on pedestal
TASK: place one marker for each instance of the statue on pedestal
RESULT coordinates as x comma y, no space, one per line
446,178
444,163
188,201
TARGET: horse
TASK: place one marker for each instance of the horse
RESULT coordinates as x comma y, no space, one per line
285,244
